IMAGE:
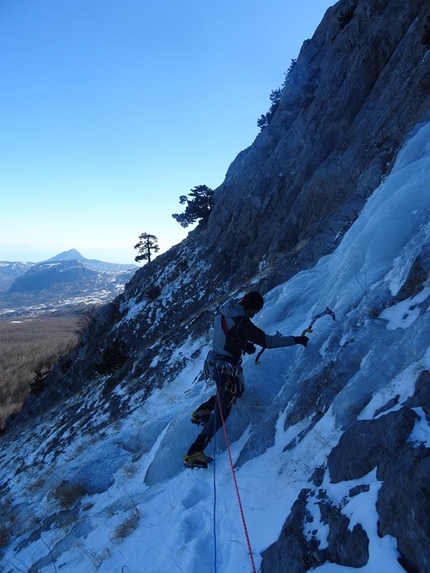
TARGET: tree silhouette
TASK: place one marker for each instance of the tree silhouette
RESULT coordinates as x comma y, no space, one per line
147,243
199,205
275,98
265,119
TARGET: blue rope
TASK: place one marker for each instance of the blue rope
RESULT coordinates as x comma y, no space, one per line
215,500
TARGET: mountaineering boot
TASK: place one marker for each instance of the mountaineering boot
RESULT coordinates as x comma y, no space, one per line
197,460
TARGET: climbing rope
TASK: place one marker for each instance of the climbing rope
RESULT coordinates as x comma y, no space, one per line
215,500
245,528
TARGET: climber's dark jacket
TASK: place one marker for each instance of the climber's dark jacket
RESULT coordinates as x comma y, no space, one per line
241,330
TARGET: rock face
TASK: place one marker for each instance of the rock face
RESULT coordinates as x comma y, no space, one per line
358,87
294,552
383,444
405,492
368,442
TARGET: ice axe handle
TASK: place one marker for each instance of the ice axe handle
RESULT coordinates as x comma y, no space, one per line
316,317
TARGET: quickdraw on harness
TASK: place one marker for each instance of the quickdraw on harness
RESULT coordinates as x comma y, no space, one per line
307,330
231,376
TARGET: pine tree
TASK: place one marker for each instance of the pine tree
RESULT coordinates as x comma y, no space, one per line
146,245
199,205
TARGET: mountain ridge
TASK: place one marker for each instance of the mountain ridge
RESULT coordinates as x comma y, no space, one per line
92,264
63,282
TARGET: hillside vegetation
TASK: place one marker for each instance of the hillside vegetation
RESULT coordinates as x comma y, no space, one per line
30,346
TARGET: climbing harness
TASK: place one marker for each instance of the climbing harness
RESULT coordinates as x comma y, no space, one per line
245,528
231,375
307,330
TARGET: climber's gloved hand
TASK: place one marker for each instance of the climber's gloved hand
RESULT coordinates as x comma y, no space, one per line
250,348
303,340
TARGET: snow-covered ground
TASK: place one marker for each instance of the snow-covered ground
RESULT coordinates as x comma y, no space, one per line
138,511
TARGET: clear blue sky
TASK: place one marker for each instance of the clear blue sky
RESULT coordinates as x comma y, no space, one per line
109,111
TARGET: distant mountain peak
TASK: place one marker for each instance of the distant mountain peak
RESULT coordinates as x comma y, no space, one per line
70,255
93,264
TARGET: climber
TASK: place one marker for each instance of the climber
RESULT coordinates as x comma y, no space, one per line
234,335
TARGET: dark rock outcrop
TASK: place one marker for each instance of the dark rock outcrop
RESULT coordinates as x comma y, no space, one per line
403,505
299,552
292,552
367,443
403,501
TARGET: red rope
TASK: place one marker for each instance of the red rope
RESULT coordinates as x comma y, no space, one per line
254,570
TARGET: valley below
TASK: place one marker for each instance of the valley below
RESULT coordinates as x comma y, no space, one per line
30,346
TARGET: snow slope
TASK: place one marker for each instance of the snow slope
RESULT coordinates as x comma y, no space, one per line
134,509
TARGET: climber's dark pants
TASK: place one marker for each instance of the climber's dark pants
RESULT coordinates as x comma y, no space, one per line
226,399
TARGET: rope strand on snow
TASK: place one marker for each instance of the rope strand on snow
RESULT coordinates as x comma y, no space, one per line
215,500
245,528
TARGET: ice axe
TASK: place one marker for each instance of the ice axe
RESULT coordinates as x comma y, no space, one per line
307,330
